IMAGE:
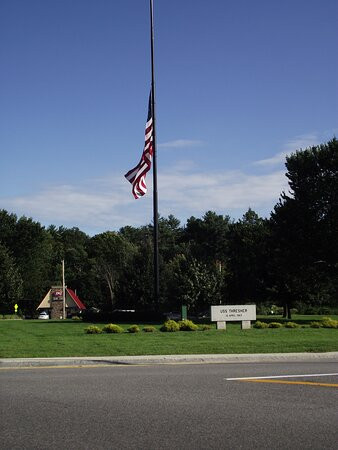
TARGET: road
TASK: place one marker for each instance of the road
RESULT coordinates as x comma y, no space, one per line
183,406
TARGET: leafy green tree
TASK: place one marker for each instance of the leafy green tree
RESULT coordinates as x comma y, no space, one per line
139,291
248,259
136,235
170,235
192,283
208,237
110,255
136,289
10,281
7,228
30,246
32,251
70,244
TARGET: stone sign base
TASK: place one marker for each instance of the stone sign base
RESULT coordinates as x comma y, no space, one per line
246,324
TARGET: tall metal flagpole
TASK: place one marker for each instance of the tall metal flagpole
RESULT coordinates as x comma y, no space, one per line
63,291
155,197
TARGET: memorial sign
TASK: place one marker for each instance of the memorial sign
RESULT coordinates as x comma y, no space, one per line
228,313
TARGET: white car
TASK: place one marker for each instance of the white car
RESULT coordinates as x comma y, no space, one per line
43,315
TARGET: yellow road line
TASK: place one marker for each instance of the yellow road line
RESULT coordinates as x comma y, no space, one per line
308,383
270,377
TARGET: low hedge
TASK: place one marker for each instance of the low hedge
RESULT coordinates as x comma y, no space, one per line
133,329
291,325
149,329
112,328
170,326
187,325
315,325
275,325
260,324
326,322
93,329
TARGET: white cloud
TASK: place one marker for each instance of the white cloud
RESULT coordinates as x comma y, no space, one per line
302,142
107,203
291,146
185,189
273,161
96,206
181,143
221,191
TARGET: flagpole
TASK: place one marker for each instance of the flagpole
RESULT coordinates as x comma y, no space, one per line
155,197
63,290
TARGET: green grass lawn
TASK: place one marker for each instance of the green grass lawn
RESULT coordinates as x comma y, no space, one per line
37,338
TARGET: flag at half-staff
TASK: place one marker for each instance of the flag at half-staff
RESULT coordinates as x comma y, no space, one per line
137,175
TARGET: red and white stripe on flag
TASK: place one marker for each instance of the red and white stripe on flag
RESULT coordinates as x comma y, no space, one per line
137,175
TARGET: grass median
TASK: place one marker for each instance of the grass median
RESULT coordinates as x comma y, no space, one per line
35,338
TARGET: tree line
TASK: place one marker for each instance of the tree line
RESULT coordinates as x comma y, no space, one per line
289,259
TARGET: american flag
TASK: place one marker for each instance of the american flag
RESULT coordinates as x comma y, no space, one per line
137,175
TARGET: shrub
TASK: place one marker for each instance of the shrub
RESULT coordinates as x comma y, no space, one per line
260,324
205,327
263,309
11,317
291,325
316,325
276,310
93,329
187,325
170,326
76,318
112,328
325,310
133,329
149,329
327,322
275,325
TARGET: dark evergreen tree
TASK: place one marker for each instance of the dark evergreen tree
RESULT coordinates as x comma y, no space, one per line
208,237
304,227
247,259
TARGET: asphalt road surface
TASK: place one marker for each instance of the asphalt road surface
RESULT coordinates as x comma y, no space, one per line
191,406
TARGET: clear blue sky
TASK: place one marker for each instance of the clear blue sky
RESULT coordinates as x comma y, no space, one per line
238,84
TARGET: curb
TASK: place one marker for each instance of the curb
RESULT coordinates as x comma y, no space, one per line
7,363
